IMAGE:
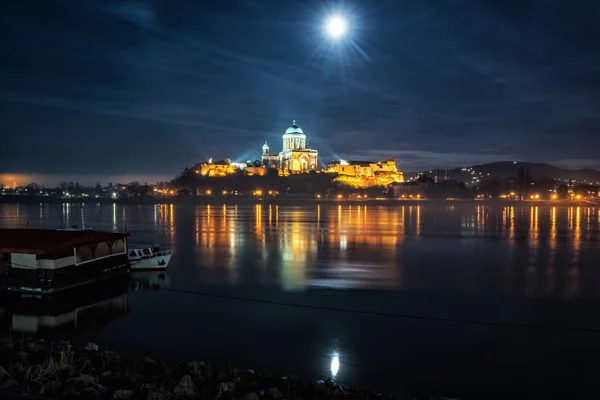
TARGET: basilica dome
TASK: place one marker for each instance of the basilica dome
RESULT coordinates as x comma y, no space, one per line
294,129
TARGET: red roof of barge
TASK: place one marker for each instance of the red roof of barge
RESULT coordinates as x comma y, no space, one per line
44,241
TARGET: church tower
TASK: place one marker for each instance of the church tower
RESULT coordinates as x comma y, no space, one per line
269,160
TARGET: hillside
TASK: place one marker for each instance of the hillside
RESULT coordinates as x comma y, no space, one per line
510,169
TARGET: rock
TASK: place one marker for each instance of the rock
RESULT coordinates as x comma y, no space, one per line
91,347
96,390
186,388
225,387
76,386
156,396
319,387
110,358
148,387
86,379
50,388
34,348
275,394
106,374
22,357
250,396
122,394
7,382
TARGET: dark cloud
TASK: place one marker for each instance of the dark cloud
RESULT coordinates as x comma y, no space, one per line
147,87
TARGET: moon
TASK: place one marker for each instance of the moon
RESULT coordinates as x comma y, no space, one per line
336,26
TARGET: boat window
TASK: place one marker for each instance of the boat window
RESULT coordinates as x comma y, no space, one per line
132,253
139,253
146,251
102,250
118,246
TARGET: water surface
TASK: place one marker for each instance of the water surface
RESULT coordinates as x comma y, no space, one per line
463,299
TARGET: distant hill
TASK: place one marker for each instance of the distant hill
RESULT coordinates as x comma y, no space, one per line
510,169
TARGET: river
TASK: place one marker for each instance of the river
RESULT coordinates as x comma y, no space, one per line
461,299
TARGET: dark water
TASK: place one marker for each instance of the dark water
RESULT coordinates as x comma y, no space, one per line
471,299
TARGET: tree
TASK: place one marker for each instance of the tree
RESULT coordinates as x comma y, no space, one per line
98,188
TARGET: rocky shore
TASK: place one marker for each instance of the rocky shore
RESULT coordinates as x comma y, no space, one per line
41,370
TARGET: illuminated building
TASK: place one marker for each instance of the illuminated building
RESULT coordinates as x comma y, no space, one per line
295,155
259,171
219,168
366,173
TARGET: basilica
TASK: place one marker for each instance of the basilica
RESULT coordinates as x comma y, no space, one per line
295,156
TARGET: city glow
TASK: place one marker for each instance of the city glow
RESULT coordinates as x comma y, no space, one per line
336,26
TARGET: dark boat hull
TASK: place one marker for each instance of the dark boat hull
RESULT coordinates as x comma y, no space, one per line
47,281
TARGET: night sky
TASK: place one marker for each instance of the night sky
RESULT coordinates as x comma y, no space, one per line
104,89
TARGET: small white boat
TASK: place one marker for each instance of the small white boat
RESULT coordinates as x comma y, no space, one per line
148,258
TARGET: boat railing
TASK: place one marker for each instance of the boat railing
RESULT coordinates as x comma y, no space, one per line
163,253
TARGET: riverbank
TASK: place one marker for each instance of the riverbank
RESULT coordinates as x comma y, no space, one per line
304,199
41,370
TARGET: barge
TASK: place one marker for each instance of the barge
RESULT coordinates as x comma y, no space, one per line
47,261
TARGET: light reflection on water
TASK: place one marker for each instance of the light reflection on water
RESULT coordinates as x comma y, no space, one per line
353,245
517,263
